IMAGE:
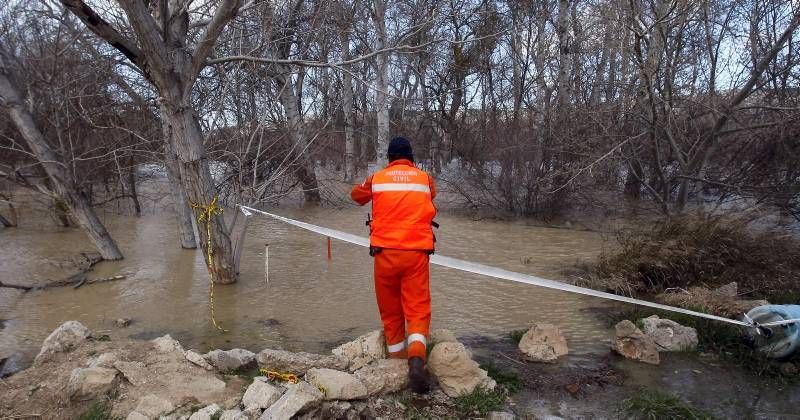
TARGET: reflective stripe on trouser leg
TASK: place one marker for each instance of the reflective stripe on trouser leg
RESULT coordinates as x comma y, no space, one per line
419,343
397,351
416,300
387,292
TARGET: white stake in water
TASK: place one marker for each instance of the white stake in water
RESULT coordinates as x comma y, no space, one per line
266,263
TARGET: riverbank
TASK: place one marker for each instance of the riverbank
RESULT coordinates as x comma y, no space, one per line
102,376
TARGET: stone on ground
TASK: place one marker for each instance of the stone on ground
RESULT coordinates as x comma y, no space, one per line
442,336
337,385
105,360
669,335
363,350
298,363
135,372
543,343
153,406
233,415
122,322
66,337
205,413
197,359
500,415
230,360
261,394
134,415
91,383
298,397
452,365
633,344
167,344
384,376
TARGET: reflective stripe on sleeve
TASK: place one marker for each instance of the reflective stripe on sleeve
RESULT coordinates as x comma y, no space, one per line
401,187
417,337
394,348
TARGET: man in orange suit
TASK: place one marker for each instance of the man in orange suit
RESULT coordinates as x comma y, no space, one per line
401,240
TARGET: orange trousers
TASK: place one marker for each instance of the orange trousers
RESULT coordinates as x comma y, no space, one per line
402,286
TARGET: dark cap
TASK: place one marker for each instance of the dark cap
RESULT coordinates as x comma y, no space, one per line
400,148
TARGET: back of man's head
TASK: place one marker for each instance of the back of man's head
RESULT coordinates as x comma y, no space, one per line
400,148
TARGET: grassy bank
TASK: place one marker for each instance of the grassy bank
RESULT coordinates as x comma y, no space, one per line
659,405
701,250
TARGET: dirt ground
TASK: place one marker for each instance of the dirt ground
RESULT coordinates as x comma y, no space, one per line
41,390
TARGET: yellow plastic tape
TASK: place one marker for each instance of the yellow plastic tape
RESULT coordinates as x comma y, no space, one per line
280,376
205,217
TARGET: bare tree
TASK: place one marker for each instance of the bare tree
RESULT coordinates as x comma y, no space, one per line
64,187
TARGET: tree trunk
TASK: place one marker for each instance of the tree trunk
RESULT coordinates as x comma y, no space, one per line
132,186
199,187
180,204
304,166
347,109
564,50
63,184
382,84
5,222
62,213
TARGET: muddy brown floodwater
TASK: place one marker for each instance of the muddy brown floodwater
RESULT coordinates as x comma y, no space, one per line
309,304
313,304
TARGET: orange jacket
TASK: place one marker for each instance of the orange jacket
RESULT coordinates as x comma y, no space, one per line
402,206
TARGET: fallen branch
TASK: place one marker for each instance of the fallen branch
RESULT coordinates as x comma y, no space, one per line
75,280
15,286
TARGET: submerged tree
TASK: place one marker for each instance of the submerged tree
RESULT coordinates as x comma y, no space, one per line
61,181
164,53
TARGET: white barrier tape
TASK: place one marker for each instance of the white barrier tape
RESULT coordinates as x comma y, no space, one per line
513,276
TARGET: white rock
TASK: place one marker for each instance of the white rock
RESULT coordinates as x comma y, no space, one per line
229,360
91,383
455,370
500,415
233,415
135,372
66,337
197,359
252,413
543,343
135,415
167,344
153,406
298,363
105,360
261,394
384,376
669,335
298,397
337,385
632,343
205,413
442,336
122,322
363,350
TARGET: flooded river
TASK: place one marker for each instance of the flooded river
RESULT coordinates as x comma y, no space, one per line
313,304
309,304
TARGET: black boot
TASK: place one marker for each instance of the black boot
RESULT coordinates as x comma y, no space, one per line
418,376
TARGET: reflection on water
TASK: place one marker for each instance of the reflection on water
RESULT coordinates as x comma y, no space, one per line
310,303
